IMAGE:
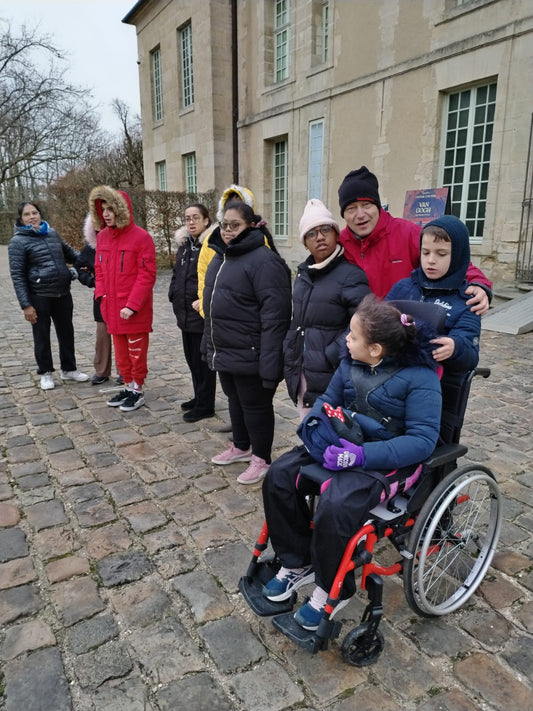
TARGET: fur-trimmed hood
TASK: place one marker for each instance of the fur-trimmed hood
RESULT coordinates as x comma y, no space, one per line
181,234
89,232
118,200
245,195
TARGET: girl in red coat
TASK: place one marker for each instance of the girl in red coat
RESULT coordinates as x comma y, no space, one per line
125,270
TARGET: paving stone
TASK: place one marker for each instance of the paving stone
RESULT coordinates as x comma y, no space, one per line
141,603
487,626
66,461
55,542
525,615
77,477
212,533
27,453
128,694
126,492
109,539
89,634
16,572
65,568
500,593
37,495
114,472
76,599
199,692
493,683
228,563
16,602
37,683
123,437
166,537
519,654
231,644
453,700
59,444
152,645
188,508
124,568
167,488
34,481
19,441
102,460
436,636
510,562
231,503
108,661
94,512
13,544
145,516
170,563
267,688
206,598
46,514
26,637
9,515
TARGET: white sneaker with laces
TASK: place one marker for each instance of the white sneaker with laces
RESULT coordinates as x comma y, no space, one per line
47,381
76,375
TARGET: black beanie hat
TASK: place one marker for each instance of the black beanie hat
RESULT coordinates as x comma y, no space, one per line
360,184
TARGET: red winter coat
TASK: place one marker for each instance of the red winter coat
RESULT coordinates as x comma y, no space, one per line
125,266
391,252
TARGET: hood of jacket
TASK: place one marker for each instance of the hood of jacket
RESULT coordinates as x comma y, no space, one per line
245,195
118,200
182,233
89,232
455,277
249,239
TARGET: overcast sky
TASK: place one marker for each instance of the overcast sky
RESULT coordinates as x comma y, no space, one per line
101,50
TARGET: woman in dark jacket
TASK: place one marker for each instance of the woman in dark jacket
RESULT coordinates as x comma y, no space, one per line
38,265
247,304
326,293
183,293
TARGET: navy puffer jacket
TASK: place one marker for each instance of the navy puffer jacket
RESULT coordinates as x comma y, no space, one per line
324,300
247,304
38,264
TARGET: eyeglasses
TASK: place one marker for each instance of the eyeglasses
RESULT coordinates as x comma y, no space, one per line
323,229
231,226
193,218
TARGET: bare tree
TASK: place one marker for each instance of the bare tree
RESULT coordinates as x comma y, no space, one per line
46,124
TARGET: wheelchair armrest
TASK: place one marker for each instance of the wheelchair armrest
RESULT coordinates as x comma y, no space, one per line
316,472
444,454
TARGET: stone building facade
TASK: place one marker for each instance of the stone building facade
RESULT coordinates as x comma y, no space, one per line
287,96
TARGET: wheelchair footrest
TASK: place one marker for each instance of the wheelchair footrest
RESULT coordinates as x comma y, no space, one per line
251,587
310,641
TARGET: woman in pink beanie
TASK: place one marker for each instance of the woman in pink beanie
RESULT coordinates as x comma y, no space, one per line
326,293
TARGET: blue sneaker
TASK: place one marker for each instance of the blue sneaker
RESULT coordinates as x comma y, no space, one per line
309,617
286,581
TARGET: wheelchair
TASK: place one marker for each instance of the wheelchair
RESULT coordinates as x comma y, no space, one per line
444,528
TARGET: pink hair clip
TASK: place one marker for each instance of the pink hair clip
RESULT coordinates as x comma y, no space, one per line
405,322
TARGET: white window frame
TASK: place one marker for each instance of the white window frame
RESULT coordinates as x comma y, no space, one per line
161,169
280,188
468,125
191,183
281,40
187,75
157,84
325,30
315,162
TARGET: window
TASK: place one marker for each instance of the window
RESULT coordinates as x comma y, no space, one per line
467,142
161,171
157,86
187,82
325,30
191,185
281,40
316,159
280,165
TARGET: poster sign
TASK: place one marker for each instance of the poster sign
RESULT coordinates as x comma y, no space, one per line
422,206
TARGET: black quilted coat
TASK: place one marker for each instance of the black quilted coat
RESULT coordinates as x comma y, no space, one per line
247,304
324,301
38,264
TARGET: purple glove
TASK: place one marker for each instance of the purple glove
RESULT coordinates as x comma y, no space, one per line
345,457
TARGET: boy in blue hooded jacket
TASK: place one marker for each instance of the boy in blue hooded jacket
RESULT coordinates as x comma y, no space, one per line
441,279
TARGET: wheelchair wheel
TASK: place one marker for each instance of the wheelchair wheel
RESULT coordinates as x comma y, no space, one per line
360,651
453,541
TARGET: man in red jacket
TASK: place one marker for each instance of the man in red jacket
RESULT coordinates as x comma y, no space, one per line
125,271
388,248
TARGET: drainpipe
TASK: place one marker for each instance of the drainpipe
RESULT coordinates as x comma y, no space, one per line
234,91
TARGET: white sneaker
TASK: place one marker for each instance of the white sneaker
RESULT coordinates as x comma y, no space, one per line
76,375
47,381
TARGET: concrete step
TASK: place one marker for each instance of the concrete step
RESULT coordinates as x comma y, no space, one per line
513,316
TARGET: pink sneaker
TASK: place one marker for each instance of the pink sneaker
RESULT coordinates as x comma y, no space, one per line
255,471
233,454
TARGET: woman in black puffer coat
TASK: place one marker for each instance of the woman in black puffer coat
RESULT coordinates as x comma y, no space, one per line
326,293
247,305
38,260
183,294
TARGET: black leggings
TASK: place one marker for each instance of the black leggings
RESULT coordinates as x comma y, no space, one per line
59,310
251,412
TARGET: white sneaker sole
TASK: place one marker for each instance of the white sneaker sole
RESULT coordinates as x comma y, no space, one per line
240,458
309,578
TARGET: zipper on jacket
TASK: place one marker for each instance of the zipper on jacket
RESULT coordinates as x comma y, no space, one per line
211,313
122,260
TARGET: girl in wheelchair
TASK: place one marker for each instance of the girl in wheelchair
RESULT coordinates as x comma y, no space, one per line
380,412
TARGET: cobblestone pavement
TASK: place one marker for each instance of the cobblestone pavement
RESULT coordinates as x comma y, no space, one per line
121,547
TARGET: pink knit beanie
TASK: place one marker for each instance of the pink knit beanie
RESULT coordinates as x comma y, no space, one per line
316,214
